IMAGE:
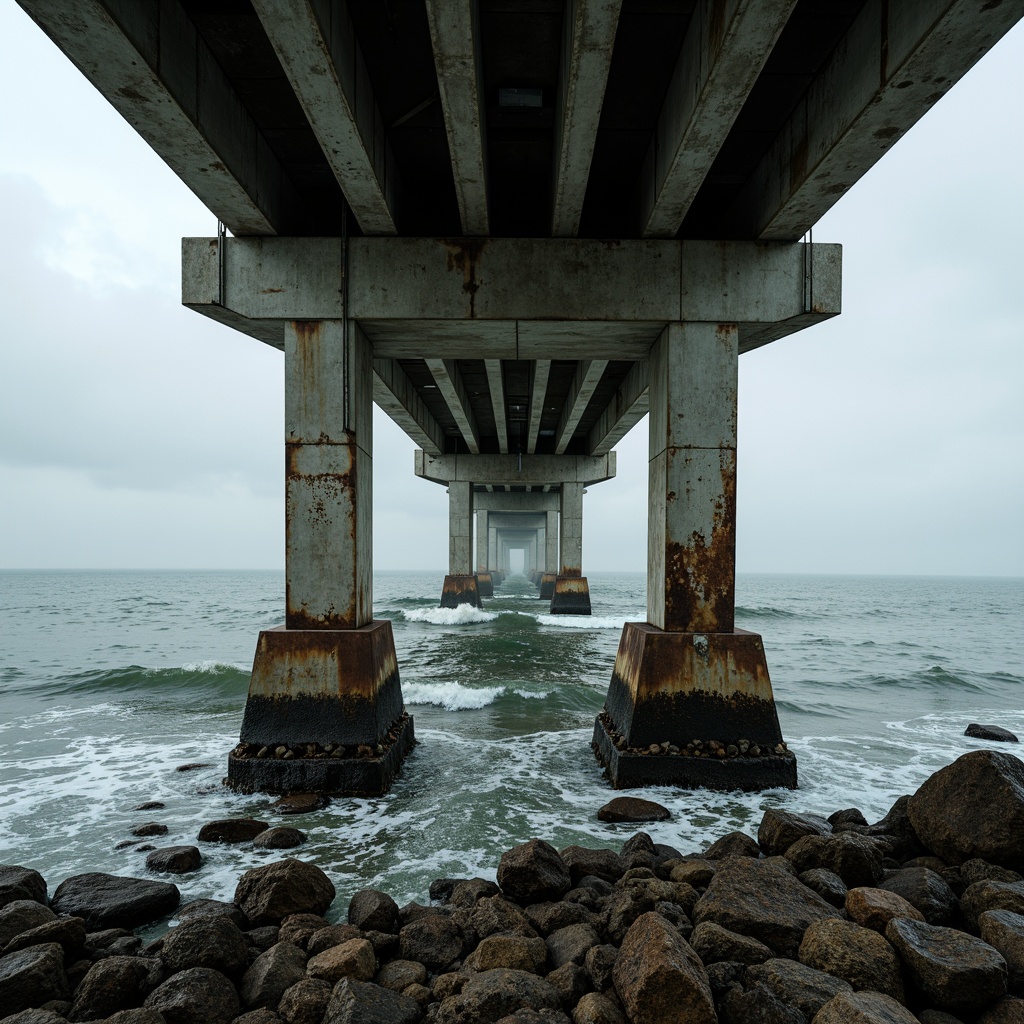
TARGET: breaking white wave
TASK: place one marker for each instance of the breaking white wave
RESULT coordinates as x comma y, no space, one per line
464,615
585,621
456,697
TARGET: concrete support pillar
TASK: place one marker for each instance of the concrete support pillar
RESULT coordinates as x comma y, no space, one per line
571,594
325,709
484,579
547,580
460,586
690,701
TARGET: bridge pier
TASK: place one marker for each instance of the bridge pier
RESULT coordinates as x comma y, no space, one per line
325,710
460,586
690,701
571,591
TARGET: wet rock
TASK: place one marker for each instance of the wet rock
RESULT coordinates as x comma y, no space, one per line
849,816
658,977
301,803
353,959
1003,930
467,892
113,901
195,996
212,908
570,944
762,899
270,893
1008,1010
713,944
192,766
434,941
232,830
875,908
632,809
581,862
357,1002
115,983
857,955
262,938
984,896
864,1008
990,732
779,830
549,917
385,944
532,873
974,807
447,985
595,1008
491,995
20,915
697,872
31,977
300,928
305,1002
856,859
18,883
509,952
638,852
953,970
36,1016
175,860
331,935
372,910
106,937
927,891
400,974
69,932
797,985
149,828
599,964
214,942
827,884
978,870
755,1004
732,844
271,974
279,838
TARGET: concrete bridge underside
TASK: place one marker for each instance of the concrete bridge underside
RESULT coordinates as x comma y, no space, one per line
518,229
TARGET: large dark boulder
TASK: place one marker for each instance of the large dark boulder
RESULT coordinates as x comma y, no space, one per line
268,894
1004,931
990,732
858,955
433,941
491,995
232,830
897,832
373,911
175,860
112,984
18,883
113,901
779,830
196,996
733,844
272,973
632,809
715,944
875,908
68,931
658,976
974,807
952,970
533,872
856,859
927,891
20,915
509,952
987,895
752,1003
762,899
213,941
305,1002
359,1002
32,977
580,861
797,985
863,1008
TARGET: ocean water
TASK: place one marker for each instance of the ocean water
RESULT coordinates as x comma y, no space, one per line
110,681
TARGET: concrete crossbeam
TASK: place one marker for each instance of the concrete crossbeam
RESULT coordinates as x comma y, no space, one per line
449,382
316,44
152,66
584,384
588,38
397,396
497,389
896,61
534,501
453,36
500,469
626,409
724,50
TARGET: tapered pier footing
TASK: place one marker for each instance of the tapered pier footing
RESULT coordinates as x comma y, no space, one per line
571,596
485,584
692,710
460,590
324,713
547,586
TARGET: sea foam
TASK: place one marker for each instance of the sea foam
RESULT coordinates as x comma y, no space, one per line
464,615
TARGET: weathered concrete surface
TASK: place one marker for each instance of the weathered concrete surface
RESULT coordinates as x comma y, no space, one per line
513,469
570,534
460,528
460,589
570,596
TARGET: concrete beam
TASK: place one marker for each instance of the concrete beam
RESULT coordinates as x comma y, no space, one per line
497,388
724,50
449,383
540,372
630,405
152,66
396,395
896,61
453,35
499,469
588,38
534,501
316,44
588,376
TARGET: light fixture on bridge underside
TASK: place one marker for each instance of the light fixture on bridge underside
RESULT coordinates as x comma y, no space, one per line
521,97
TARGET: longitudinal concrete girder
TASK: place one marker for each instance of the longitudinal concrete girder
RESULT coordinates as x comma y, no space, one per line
397,396
723,53
538,391
894,63
325,67
588,376
628,407
588,38
450,384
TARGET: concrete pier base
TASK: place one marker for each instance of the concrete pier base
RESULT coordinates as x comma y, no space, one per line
571,596
460,590
547,586
692,710
484,584
324,713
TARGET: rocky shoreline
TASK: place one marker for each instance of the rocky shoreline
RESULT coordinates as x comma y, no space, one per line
916,918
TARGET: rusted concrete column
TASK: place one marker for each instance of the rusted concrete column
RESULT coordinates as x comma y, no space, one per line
482,564
690,701
325,709
571,592
460,585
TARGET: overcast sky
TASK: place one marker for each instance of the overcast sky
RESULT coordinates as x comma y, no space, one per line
137,434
